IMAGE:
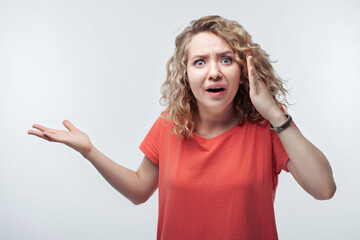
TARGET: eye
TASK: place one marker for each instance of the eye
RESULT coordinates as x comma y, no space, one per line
226,60
199,62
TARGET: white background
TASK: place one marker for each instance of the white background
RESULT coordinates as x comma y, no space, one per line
100,64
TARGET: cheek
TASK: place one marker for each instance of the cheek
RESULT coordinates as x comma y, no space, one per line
235,81
234,75
195,79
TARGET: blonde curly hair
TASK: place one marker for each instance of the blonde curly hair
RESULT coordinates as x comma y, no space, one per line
176,92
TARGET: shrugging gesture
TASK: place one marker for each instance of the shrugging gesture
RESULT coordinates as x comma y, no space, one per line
73,138
136,186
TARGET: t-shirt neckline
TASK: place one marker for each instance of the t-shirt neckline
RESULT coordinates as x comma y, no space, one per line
221,135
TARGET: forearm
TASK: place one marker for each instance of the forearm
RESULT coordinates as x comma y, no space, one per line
122,179
308,164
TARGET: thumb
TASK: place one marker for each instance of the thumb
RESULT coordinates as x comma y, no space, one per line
252,74
69,125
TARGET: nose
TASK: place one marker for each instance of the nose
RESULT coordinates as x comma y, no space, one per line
214,72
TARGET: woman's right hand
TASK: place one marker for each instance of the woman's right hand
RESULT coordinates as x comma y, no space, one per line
73,138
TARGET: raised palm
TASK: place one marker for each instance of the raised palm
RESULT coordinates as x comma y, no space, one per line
73,138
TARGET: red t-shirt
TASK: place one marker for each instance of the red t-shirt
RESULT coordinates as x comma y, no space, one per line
218,188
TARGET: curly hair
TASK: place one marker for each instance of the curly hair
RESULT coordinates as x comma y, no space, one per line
176,92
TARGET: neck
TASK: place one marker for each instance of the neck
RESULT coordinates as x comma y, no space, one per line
213,123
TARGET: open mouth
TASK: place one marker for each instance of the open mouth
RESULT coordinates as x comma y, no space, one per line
215,89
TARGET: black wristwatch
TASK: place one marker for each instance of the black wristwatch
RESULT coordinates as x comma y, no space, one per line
282,127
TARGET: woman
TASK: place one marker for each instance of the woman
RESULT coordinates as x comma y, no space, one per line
216,151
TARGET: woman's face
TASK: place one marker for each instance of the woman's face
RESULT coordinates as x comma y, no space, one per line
213,73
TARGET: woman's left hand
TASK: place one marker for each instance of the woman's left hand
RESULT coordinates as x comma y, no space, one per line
261,97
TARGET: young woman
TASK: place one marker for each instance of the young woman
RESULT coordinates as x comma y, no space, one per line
216,151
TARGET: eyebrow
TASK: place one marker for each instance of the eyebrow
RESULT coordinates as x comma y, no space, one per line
198,56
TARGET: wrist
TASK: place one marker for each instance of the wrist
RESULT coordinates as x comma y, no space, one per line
278,119
283,126
88,152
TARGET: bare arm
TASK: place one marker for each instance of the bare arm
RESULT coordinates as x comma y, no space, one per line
136,186
307,163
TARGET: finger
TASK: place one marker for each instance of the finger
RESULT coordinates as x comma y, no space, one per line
38,134
48,136
69,125
251,66
54,137
261,84
252,74
43,128
40,127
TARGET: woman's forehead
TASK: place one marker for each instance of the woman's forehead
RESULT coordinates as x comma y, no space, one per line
206,42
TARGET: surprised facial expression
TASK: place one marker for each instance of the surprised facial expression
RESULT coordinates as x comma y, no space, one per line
212,71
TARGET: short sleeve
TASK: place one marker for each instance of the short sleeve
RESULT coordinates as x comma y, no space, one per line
280,156
150,145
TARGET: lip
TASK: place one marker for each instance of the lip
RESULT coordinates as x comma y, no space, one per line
215,85
215,94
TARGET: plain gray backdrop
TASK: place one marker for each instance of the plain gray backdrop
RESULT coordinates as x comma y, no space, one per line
100,64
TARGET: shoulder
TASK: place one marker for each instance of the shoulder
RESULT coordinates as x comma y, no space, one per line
164,121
